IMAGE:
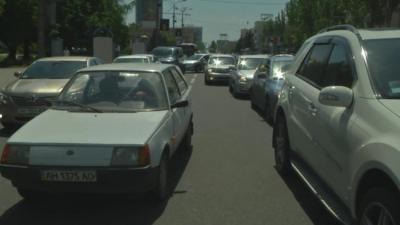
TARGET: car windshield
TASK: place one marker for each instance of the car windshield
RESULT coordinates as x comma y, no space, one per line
162,52
277,68
383,60
131,60
53,69
195,57
249,63
115,91
221,61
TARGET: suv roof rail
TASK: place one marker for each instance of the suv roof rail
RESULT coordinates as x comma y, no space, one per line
340,27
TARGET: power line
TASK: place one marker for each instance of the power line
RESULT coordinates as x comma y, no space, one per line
245,3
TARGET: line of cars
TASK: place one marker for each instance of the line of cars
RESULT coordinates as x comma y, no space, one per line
335,112
109,128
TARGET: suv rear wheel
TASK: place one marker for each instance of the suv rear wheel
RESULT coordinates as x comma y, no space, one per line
282,149
380,206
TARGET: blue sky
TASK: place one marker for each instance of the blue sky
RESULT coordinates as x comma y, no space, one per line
222,16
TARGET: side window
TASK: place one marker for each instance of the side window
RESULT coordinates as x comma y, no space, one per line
180,81
313,67
339,72
172,87
92,62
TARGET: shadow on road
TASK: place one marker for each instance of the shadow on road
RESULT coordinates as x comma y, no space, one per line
84,210
309,202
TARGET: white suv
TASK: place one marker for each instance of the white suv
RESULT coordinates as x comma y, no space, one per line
337,122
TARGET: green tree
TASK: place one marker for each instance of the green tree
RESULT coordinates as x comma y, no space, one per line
79,19
213,47
22,30
2,3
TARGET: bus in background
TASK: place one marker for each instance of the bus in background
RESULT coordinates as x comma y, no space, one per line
188,48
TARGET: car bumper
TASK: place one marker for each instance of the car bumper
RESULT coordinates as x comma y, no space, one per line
218,76
109,180
243,87
11,113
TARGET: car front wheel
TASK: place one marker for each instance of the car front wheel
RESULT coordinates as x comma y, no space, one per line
161,192
380,206
282,151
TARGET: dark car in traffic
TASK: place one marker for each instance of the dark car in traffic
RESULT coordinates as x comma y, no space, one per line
169,55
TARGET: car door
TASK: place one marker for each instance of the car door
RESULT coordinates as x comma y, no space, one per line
178,114
304,88
185,96
331,132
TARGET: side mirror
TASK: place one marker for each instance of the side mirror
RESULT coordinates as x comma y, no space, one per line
262,76
180,104
18,74
338,96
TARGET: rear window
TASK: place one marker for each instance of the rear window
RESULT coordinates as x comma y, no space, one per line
53,69
221,61
131,60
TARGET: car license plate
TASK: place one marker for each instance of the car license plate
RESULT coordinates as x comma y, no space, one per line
31,111
68,176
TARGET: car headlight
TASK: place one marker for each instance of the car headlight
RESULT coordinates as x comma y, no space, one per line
243,79
4,99
210,70
131,156
15,155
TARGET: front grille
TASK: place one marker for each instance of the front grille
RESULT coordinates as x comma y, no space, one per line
221,70
32,101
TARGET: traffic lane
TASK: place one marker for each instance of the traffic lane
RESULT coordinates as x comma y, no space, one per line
231,176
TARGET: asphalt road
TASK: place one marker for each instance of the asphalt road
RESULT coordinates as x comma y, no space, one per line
228,178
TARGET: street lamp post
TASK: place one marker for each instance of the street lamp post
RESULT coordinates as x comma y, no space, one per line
174,12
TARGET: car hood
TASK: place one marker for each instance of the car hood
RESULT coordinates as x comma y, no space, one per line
190,61
219,66
392,104
246,73
63,127
40,86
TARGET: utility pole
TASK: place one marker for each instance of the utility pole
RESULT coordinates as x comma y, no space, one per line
174,12
183,14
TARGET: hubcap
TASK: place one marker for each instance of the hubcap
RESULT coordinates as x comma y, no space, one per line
377,214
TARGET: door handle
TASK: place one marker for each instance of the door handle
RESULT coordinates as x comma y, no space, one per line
312,109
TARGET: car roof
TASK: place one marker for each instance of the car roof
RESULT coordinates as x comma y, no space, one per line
254,56
132,57
383,33
282,57
222,55
158,67
66,58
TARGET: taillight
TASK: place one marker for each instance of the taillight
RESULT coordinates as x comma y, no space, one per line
5,154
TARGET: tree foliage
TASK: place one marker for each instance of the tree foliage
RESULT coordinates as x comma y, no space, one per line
301,19
76,22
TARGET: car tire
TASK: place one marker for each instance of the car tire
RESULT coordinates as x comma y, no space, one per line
377,201
161,192
187,140
282,148
206,81
267,112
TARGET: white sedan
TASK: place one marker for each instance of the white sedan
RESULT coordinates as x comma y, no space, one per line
112,129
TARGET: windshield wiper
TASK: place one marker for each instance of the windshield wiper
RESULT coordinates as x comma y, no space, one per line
79,105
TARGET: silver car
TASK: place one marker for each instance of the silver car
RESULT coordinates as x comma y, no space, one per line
37,86
242,76
219,68
337,122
